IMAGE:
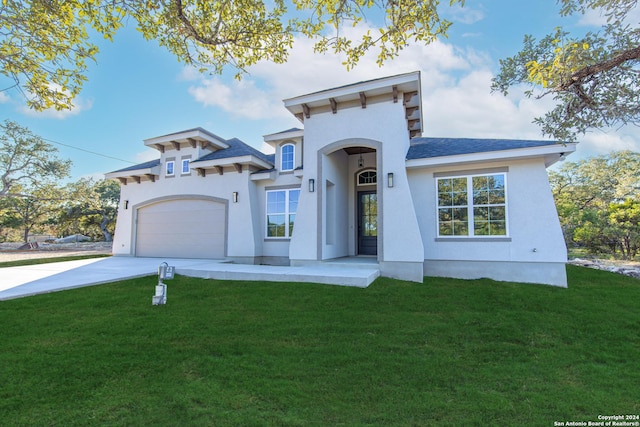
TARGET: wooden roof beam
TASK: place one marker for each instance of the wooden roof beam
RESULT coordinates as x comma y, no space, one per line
334,105
408,95
220,170
306,110
201,171
123,180
395,94
363,100
176,145
192,142
159,147
151,177
136,179
410,111
238,167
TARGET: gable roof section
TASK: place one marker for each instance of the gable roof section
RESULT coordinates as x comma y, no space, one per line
141,166
237,153
192,137
237,148
147,171
439,151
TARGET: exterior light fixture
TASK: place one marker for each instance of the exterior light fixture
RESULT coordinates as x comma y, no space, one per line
360,161
235,196
312,185
390,180
126,204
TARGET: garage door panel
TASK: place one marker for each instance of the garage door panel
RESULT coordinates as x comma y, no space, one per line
182,229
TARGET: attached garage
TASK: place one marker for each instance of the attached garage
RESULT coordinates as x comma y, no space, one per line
181,228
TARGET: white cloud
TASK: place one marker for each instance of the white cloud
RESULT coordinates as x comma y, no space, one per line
603,141
456,82
4,98
596,18
240,98
464,15
79,105
259,94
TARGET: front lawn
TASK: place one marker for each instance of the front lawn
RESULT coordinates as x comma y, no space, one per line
446,352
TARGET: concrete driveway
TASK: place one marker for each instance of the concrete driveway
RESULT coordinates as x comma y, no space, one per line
16,282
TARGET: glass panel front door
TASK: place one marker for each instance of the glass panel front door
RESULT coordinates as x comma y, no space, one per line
367,223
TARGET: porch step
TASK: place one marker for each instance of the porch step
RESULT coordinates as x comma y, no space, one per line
366,263
326,273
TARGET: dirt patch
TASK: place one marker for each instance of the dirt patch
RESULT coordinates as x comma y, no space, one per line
10,251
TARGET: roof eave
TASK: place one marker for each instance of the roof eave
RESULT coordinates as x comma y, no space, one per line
550,153
281,136
199,135
412,79
155,170
230,161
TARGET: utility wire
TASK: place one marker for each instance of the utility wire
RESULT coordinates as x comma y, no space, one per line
89,151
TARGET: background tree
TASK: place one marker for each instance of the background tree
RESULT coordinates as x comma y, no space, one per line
35,210
26,160
45,45
593,77
596,199
92,205
626,219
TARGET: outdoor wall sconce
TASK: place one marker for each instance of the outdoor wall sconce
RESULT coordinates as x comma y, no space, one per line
235,196
390,180
312,185
126,204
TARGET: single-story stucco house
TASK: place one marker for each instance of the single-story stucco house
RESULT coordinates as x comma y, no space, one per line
359,180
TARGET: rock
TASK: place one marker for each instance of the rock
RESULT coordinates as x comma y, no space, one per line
627,270
72,239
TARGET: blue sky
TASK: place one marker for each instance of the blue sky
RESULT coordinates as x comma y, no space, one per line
137,90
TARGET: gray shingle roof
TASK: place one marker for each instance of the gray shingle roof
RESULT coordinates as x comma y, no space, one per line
287,131
145,165
422,148
236,148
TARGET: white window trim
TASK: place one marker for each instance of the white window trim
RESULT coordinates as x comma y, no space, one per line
293,160
173,167
286,213
470,206
182,163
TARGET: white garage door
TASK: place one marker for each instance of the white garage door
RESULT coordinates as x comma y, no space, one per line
182,228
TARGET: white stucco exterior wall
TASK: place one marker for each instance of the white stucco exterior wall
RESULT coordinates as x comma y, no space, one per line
534,251
383,126
240,221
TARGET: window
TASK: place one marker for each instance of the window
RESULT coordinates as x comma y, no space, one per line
287,158
367,177
185,166
169,170
281,212
472,205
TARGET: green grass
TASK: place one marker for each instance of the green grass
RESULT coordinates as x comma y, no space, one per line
49,260
446,352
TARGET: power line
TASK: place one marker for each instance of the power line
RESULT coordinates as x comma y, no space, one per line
89,151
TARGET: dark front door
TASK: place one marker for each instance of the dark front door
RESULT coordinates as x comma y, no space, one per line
367,223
